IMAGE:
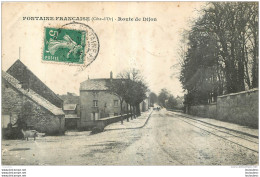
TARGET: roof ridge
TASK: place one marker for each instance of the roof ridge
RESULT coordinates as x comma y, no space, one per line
19,61
32,95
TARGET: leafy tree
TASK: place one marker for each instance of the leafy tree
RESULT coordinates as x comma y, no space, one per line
163,96
153,98
118,88
171,102
222,52
137,89
130,88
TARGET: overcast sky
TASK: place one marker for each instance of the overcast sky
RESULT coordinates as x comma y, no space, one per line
151,47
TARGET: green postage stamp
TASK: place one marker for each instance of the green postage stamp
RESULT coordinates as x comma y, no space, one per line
64,45
73,43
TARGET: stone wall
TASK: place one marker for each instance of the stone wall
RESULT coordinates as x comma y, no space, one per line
14,103
240,108
101,123
209,111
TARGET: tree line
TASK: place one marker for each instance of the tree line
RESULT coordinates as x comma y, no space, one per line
221,53
129,87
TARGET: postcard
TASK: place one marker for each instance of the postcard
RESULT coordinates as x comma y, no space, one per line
130,84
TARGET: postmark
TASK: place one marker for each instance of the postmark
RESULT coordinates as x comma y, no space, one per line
73,43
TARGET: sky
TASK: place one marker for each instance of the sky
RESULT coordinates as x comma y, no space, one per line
151,47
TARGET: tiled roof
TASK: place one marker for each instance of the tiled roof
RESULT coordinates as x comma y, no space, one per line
94,84
69,107
32,95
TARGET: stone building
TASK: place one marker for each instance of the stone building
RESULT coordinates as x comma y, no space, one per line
71,109
22,103
96,102
28,80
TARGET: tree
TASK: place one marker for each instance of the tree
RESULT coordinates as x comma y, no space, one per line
171,102
222,54
163,96
130,88
140,90
118,88
153,98
137,89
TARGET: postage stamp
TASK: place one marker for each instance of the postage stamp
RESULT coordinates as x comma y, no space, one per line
73,43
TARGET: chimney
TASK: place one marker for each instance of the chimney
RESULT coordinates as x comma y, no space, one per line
111,75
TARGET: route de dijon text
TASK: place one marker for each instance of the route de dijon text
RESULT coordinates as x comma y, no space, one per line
148,19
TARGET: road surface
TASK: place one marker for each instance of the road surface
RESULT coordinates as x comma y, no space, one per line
166,139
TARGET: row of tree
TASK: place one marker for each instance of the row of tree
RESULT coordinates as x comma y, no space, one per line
129,87
221,53
166,99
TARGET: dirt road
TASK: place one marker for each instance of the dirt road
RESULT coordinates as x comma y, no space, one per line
167,139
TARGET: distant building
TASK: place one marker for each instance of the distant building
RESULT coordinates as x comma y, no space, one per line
96,102
144,105
22,103
72,115
29,81
71,109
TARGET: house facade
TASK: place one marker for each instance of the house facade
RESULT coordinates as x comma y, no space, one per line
96,102
23,104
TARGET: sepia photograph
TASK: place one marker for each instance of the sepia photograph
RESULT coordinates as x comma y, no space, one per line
130,84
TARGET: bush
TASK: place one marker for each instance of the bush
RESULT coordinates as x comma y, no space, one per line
11,133
96,130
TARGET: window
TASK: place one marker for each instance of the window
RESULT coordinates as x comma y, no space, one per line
115,103
95,94
95,103
94,116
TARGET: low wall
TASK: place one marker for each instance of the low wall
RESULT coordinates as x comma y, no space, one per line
109,120
88,125
240,108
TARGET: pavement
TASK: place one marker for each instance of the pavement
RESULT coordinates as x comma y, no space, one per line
221,124
138,122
